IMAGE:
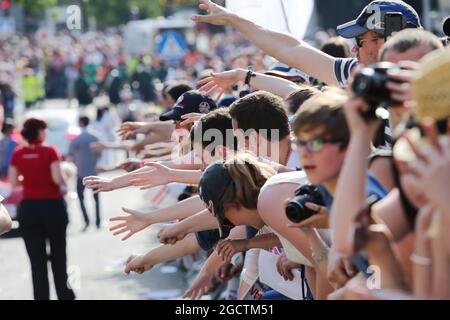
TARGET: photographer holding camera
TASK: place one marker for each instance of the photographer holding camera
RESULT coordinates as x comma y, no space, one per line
417,266
388,83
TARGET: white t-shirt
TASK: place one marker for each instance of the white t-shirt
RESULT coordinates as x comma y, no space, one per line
294,160
298,178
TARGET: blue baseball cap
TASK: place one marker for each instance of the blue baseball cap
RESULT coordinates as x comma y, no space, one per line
282,70
189,102
365,23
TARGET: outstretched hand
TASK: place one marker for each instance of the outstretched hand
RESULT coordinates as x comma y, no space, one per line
156,175
215,14
132,223
221,82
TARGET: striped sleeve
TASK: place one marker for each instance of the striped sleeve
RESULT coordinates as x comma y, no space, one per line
343,69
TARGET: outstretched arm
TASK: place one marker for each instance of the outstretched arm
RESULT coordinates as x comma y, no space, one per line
162,253
5,220
351,191
224,80
135,221
196,223
283,47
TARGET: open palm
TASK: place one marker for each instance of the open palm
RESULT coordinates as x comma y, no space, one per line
132,223
156,175
219,82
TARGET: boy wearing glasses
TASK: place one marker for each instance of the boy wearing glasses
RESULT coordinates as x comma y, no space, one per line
322,137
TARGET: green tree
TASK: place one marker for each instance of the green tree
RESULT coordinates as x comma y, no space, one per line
36,8
116,12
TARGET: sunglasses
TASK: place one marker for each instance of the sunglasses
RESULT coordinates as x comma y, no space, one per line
315,145
360,42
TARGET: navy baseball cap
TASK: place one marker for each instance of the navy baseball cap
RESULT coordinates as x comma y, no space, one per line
366,20
189,102
282,70
213,184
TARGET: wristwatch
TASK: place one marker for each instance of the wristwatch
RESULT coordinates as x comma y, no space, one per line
249,76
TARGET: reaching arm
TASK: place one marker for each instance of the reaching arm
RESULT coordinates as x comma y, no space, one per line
351,188
100,184
136,221
225,80
149,139
152,175
5,220
162,253
350,194
283,47
204,278
186,162
228,248
160,175
319,249
128,129
199,222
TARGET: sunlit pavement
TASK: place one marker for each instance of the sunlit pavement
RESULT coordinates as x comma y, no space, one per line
96,258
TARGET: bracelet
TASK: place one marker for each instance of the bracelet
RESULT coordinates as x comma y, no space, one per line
323,256
420,260
249,76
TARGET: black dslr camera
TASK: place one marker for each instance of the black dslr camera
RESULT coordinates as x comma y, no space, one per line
296,210
370,85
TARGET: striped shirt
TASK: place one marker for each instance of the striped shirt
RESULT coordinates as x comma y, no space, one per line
343,68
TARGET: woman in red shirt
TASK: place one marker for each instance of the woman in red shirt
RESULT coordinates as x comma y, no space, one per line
42,214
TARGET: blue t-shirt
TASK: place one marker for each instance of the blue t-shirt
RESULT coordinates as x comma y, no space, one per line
374,188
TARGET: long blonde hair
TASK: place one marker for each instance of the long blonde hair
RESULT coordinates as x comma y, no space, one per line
248,175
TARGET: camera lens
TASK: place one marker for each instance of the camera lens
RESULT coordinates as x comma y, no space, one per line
294,212
361,85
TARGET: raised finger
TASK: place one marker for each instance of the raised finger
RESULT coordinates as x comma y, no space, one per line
127,236
118,226
120,231
118,218
207,93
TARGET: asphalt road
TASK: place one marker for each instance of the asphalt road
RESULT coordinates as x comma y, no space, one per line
96,258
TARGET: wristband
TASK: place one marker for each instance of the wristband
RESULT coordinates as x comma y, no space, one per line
420,260
323,256
249,76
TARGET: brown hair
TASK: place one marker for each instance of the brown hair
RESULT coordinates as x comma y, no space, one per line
261,111
296,99
218,119
336,47
31,128
324,110
248,175
410,38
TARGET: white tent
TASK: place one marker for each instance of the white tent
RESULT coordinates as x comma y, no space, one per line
290,16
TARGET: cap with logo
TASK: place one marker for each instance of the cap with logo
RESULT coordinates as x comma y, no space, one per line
372,18
282,70
190,102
